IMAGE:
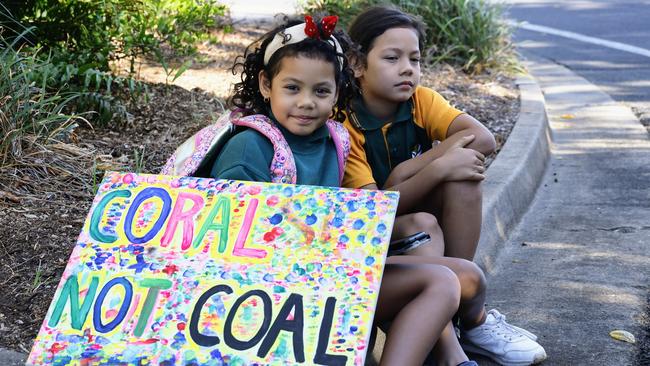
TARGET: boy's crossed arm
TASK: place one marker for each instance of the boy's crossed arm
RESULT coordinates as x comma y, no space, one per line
465,125
459,157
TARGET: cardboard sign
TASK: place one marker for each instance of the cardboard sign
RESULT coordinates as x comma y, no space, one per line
176,271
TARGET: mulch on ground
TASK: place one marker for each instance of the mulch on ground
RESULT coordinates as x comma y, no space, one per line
46,194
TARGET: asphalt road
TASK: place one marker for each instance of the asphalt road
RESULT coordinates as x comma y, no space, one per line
600,30
625,76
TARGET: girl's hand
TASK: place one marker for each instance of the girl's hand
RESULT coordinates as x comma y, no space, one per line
460,163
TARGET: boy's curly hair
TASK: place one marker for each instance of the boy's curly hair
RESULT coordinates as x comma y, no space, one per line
246,93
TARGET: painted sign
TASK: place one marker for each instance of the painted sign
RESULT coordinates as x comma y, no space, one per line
176,271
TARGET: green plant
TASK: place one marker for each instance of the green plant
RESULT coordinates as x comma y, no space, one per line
471,33
138,158
94,172
37,278
30,111
91,34
346,10
170,70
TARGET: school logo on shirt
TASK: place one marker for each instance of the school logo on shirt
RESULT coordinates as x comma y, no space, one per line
416,150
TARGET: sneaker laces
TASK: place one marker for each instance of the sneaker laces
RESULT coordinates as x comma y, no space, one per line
502,328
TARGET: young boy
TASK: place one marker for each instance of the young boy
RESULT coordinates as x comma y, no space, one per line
394,126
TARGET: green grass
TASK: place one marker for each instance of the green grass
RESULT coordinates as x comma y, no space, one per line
37,278
29,111
138,159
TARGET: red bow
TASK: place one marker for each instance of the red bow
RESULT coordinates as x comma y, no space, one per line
328,24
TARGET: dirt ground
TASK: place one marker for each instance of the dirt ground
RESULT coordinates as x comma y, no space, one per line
45,196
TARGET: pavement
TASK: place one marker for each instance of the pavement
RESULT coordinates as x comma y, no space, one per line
566,223
11,358
577,266
255,10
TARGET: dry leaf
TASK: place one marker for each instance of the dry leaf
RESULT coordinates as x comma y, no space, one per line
567,116
9,196
622,335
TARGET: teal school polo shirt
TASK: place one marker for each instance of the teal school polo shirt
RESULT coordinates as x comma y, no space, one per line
248,154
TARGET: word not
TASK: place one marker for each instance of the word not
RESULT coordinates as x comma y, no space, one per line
176,215
78,314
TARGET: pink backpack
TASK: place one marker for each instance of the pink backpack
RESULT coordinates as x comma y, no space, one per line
196,156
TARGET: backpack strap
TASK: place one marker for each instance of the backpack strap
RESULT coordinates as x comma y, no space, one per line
188,156
283,165
341,139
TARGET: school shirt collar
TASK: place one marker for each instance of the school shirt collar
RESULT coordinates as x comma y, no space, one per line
368,121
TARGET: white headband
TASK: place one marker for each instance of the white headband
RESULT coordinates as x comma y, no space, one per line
293,35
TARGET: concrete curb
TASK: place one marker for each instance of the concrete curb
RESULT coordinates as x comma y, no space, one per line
513,177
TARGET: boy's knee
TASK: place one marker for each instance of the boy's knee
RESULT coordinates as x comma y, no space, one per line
472,279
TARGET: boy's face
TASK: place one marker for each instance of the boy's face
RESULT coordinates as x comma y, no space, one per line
392,69
302,94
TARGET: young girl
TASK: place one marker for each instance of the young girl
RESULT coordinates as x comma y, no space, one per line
296,76
395,126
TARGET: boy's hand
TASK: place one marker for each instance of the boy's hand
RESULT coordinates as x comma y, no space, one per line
460,163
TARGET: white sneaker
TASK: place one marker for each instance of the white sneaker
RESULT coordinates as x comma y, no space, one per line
502,342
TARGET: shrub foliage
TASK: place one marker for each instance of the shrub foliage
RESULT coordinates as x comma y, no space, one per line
90,33
469,33
77,40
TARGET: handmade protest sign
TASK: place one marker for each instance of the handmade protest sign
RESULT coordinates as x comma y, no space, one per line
171,270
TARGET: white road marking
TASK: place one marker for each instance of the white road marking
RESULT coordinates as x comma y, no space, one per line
579,37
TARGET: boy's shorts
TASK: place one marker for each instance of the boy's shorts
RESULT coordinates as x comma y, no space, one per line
405,245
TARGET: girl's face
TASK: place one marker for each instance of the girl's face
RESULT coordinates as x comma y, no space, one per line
392,69
302,94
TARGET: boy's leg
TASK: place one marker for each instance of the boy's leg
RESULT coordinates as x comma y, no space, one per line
458,208
484,333
472,284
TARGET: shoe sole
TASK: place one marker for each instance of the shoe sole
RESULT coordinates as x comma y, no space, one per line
470,348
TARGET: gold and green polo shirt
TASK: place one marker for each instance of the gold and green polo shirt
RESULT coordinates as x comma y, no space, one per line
377,146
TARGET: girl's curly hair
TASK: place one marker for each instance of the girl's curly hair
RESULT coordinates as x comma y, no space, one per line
246,93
